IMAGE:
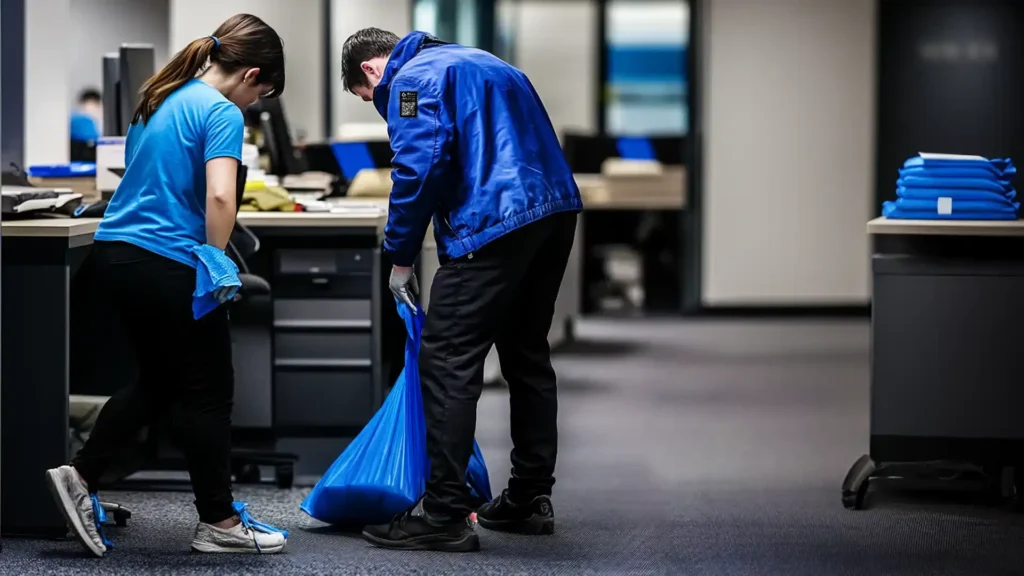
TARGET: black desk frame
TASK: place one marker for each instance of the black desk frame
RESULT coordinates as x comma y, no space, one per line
945,341
36,325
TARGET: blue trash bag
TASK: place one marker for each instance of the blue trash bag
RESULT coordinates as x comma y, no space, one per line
383,471
476,476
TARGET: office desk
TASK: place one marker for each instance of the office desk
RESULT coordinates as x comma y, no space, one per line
39,259
947,312
644,217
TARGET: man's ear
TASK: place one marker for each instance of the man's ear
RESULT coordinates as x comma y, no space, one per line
368,69
250,75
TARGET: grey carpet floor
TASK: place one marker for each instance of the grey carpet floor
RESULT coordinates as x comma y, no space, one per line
686,448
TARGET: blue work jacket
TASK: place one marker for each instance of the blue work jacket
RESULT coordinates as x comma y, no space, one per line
473,148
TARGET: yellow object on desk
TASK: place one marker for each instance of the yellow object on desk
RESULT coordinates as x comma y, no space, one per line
266,199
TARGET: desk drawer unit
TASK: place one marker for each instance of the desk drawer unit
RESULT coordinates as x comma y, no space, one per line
323,397
324,274
325,346
324,372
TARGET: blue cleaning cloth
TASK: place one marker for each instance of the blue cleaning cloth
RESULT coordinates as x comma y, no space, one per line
956,172
890,210
956,194
214,270
963,183
956,205
996,166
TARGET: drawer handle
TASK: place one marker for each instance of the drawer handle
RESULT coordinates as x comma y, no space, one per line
321,363
324,324
321,281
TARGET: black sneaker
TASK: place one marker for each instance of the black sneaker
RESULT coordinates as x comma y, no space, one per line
408,532
535,518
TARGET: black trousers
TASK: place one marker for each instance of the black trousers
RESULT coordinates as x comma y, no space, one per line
504,294
186,378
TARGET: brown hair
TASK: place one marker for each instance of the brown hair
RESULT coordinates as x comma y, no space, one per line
364,45
242,41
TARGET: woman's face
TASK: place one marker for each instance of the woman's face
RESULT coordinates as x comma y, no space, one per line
249,89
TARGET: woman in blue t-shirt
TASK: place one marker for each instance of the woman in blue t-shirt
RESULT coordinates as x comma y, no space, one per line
178,192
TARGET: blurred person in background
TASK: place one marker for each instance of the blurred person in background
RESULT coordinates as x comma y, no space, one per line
87,120
474,149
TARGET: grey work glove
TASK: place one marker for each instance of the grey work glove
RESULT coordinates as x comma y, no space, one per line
403,285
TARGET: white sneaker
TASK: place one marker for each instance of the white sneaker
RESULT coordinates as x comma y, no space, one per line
248,536
77,506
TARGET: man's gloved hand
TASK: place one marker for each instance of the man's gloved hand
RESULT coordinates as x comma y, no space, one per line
403,285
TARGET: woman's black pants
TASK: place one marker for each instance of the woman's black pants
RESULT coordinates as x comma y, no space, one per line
185,374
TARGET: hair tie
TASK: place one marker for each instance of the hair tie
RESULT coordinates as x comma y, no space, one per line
216,41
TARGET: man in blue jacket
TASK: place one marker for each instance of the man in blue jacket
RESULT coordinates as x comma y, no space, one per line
475,150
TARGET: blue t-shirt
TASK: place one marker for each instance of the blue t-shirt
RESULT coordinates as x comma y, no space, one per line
160,204
83,128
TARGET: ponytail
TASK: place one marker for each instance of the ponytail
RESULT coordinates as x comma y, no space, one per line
185,65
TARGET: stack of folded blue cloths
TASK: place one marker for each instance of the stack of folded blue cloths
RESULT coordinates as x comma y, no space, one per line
950,187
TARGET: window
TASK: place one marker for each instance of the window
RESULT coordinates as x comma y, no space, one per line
465,22
646,81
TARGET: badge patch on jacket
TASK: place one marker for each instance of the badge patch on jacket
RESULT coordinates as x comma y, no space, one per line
408,103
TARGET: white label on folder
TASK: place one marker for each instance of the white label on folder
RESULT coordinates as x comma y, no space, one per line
945,206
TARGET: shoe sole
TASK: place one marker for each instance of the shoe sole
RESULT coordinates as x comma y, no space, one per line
207,548
533,526
468,543
64,503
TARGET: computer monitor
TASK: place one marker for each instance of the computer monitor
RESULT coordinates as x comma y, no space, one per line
111,99
277,138
136,67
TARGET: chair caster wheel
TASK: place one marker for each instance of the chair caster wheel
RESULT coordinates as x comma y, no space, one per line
284,475
121,517
854,500
118,513
855,486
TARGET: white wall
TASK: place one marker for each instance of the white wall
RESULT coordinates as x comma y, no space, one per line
47,46
101,26
557,47
299,22
348,17
789,145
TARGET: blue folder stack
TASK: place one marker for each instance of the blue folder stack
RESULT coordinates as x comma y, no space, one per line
952,187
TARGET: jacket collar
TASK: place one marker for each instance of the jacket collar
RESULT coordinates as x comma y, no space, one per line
404,51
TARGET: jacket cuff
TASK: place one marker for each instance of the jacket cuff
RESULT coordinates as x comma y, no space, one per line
400,258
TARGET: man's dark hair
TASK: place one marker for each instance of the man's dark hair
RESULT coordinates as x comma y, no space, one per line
364,45
89,95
